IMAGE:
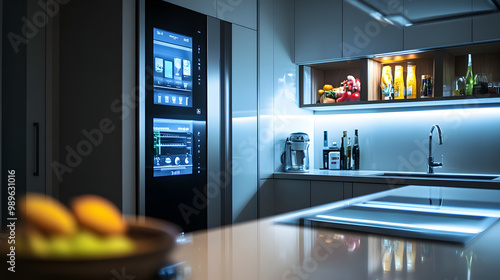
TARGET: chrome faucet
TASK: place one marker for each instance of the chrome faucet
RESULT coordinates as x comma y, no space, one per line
433,164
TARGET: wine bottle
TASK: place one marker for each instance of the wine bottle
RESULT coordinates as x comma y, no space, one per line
343,147
348,154
469,78
355,151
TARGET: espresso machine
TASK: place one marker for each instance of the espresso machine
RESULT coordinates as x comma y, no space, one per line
296,154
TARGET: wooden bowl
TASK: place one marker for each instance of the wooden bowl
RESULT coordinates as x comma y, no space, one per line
153,240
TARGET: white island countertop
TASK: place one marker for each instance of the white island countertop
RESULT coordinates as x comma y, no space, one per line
269,249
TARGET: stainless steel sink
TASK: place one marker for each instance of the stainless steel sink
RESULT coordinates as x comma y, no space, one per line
439,176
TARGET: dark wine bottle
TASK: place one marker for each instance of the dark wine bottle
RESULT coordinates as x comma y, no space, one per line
348,155
355,151
343,147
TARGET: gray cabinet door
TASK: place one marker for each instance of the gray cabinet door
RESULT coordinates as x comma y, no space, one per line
437,33
432,9
241,12
291,195
485,27
440,34
318,30
200,6
359,189
363,35
326,192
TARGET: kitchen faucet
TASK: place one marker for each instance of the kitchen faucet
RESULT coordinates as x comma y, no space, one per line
433,164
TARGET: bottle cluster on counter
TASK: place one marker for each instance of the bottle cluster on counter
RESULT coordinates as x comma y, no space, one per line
344,158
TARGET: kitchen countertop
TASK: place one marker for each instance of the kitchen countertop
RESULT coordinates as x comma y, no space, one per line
373,176
265,249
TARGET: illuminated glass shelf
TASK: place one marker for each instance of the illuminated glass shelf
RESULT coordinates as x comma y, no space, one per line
408,104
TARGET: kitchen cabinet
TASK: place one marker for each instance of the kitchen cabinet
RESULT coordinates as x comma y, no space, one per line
201,6
23,104
359,189
318,30
291,195
326,192
241,12
482,24
482,27
438,34
363,35
442,64
94,124
429,9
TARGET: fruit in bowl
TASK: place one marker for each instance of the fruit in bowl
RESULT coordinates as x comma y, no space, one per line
89,240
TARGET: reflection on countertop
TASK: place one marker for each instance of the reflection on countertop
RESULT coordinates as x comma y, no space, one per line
266,249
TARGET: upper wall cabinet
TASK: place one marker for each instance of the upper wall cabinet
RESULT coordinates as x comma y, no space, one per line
438,34
428,31
318,30
241,12
485,27
200,6
363,35
422,10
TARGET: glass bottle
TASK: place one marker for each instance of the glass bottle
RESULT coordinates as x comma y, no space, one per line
386,83
411,81
469,78
399,84
348,154
355,152
343,147
426,90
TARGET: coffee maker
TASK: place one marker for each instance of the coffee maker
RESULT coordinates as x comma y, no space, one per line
296,154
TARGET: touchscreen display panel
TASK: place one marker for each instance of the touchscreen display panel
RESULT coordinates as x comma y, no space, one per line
173,71
173,145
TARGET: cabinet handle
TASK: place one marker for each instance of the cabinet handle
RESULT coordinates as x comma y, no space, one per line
36,127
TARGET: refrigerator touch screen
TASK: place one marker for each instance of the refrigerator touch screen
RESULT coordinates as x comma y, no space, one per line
173,147
173,74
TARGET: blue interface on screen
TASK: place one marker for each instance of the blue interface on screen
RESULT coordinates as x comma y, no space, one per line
173,74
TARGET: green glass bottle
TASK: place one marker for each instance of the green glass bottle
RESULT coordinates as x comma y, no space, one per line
469,78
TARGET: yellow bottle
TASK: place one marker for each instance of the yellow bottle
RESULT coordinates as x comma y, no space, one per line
386,83
387,252
411,81
399,84
398,254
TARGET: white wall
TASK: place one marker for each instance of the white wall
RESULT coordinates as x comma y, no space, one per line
288,118
399,141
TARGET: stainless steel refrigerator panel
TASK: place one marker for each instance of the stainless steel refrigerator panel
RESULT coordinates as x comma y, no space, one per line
244,124
214,126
